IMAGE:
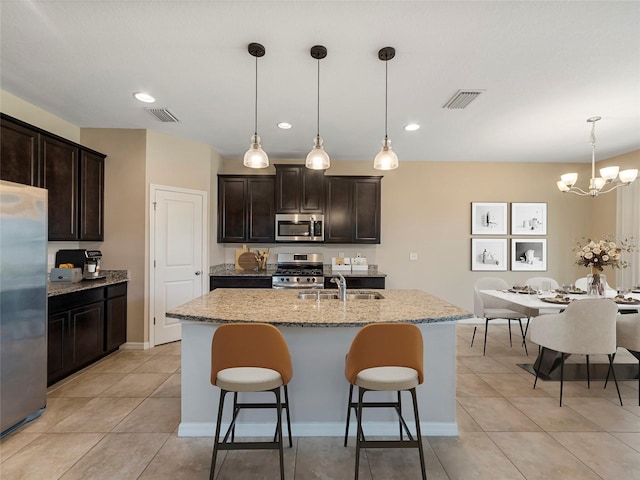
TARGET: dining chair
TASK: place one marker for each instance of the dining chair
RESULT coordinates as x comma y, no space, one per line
491,308
542,283
582,284
385,357
587,327
628,336
250,357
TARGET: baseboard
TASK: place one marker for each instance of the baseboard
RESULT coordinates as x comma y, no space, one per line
319,429
135,346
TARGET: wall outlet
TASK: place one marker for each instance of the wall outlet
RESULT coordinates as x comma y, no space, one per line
413,256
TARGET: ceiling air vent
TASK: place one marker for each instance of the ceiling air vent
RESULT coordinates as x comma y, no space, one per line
462,98
163,115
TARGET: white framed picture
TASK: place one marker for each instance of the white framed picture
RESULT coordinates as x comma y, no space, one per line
529,218
488,218
529,254
488,254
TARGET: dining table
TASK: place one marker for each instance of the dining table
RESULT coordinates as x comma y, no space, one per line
535,303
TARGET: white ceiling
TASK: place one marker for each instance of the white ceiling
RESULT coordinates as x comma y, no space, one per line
545,66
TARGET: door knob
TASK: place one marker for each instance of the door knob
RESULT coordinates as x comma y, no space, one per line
198,272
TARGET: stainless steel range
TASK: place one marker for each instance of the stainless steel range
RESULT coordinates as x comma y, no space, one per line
298,270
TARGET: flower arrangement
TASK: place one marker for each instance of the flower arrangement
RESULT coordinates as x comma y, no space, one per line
606,252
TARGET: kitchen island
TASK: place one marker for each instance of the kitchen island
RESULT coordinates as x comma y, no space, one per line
319,333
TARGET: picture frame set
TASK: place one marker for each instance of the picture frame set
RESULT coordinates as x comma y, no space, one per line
526,220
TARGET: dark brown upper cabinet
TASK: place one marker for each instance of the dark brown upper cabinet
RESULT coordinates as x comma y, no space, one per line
299,189
352,213
246,208
19,153
72,174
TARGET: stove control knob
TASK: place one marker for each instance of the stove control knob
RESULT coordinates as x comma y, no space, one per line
297,279
282,279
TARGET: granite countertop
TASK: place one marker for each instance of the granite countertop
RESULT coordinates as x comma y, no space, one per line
113,277
284,308
229,270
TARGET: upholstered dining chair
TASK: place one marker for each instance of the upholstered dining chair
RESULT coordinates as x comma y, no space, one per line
250,357
385,357
582,284
586,327
628,336
491,308
542,283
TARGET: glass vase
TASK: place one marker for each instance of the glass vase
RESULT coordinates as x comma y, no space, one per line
595,283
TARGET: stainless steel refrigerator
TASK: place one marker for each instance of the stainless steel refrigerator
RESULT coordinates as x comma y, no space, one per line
23,304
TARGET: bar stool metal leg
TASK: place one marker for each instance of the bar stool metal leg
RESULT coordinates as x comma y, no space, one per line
418,433
349,406
286,403
279,427
217,437
359,432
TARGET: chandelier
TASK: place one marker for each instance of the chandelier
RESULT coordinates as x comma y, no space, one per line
610,177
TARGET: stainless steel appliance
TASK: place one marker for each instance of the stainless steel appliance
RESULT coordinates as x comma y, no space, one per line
299,227
23,304
88,260
298,270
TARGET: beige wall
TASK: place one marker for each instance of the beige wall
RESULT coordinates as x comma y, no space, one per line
124,214
18,108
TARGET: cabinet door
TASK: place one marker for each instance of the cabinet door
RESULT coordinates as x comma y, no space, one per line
311,191
260,209
19,154
232,192
366,210
287,196
86,327
58,358
338,223
116,323
60,163
91,196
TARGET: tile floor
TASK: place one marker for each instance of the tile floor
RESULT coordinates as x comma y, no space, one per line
118,420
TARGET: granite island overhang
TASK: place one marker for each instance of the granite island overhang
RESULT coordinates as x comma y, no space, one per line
318,390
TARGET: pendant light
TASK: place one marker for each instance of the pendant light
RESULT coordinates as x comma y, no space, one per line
386,159
256,156
318,159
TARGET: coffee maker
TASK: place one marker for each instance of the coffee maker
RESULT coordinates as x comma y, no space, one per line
88,260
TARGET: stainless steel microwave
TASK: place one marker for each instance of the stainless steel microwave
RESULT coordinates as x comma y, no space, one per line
299,227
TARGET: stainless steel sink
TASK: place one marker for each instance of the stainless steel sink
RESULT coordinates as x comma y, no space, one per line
364,296
317,296
351,295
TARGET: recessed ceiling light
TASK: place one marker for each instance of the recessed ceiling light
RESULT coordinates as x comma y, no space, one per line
284,125
412,127
144,97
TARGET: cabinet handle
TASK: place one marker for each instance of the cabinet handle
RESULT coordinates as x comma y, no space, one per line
198,272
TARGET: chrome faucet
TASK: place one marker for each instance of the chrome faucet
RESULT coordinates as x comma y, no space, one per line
341,282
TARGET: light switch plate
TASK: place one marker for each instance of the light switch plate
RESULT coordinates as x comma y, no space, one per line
413,256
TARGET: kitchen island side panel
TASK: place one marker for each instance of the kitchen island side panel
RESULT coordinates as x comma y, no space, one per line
318,391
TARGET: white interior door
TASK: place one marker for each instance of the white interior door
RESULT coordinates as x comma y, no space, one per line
178,255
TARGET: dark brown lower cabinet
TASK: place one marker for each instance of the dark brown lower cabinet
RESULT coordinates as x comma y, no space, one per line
358,282
239,282
84,327
115,317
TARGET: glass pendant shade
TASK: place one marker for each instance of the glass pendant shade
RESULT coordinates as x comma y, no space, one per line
386,159
628,176
318,159
609,173
256,157
569,179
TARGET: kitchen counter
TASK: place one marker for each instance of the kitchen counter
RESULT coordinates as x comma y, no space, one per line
318,390
284,308
62,288
229,270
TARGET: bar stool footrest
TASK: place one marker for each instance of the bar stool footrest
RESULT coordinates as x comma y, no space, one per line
388,444
248,446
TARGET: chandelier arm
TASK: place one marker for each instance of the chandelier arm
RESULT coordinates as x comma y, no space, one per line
612,186
577,191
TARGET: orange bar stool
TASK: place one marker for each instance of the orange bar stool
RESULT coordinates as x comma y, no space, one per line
385,357
250,357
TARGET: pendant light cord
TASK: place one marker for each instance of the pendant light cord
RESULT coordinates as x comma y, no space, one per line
386,102
318,109
255,116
